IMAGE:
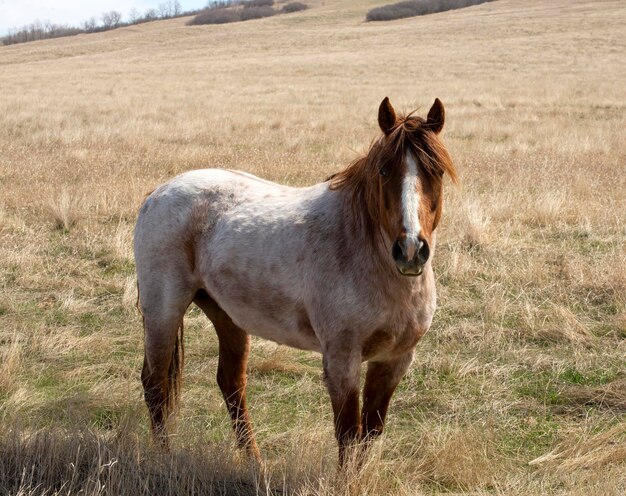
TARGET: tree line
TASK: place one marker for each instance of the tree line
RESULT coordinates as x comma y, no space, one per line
108,20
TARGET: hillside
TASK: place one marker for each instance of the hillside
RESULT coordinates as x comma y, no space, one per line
525,361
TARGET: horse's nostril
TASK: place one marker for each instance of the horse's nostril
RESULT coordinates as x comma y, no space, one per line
396,252
423,252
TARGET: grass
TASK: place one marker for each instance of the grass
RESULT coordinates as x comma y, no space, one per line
518,388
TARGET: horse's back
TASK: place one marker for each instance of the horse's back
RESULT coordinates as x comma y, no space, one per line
221,186
180,212
176,207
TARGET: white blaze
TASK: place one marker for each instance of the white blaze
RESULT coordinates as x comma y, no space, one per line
410,206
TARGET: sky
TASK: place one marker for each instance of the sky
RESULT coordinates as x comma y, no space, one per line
17,13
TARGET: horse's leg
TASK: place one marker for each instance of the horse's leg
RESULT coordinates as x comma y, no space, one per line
342,368
163,354
380,382
234,347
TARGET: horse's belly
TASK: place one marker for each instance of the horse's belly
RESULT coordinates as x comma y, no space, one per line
267,314
287,338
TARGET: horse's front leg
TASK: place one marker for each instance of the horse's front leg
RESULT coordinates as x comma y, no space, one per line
380,382
342,368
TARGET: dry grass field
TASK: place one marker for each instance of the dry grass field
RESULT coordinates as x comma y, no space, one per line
520,385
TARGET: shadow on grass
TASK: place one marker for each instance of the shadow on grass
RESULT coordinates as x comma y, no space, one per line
82,462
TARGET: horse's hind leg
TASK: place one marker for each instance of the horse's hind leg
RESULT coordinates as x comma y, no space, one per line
163,354
234,347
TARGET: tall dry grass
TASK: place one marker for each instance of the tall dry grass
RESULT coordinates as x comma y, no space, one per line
525,360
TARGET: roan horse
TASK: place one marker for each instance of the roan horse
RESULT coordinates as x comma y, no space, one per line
320,268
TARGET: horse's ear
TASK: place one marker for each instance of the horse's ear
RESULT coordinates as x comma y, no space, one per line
436,116
386,116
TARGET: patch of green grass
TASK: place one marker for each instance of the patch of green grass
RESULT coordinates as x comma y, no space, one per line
592,378
30,310
281,398
89,323
58,316
540,386
46,382
10,274
530,436
116,267
596,246
105,418
608,328
268,380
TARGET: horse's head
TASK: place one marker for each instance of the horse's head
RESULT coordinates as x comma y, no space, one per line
397,187
410,160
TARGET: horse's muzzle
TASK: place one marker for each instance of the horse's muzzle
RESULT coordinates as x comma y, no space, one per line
415,265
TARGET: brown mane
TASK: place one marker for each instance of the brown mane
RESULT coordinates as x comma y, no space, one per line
362,177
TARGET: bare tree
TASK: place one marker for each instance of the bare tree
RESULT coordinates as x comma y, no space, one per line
90,24
151,14
106,20
111,19
116,17
164,10
169,9
133,15
48,28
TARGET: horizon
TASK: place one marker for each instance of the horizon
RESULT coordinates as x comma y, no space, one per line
14,15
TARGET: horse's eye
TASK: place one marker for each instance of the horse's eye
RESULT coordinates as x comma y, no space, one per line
383,172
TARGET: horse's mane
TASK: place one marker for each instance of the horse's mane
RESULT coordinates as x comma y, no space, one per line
361,178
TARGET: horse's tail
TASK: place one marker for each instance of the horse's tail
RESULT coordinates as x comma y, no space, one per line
174,381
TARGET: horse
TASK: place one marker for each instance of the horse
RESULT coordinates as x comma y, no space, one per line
342,267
